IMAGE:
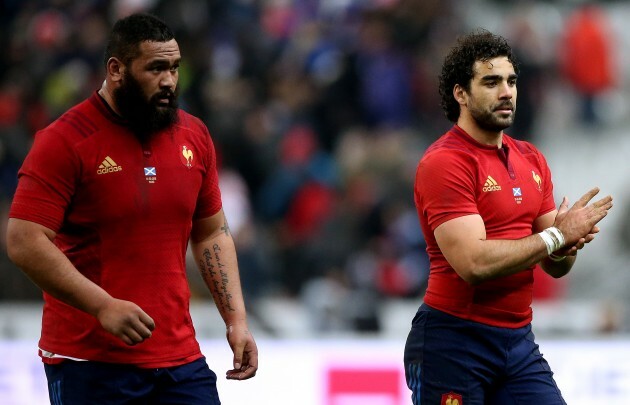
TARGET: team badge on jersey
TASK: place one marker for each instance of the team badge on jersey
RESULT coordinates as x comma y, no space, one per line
518,194
452,399
186,155
538,180
150,174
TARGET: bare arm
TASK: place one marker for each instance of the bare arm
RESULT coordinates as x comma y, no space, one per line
476,259
30,247
213,249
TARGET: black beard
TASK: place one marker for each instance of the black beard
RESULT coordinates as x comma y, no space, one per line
487,121
144,117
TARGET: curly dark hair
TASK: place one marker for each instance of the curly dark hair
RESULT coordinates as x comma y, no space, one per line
129,32
479,45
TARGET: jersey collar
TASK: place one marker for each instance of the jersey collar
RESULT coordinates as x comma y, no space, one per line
99,102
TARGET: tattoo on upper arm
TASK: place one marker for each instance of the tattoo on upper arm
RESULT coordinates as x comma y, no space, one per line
216,277
225,228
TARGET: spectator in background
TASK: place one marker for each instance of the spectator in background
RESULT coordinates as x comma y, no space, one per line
384,73
107,200
586,58
299,197
527,45
486,208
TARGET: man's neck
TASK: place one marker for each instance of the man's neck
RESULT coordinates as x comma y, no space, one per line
480,135
105,92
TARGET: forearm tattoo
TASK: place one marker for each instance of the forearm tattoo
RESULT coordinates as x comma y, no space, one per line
216,277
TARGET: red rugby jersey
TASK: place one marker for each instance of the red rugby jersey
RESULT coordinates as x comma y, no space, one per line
509,188
123,213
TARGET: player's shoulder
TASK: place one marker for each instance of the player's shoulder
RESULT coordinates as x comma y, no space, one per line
448,157
190,122
74,125
192,127
448,147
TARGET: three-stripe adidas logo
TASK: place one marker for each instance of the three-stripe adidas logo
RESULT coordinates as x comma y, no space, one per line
108,166
491,185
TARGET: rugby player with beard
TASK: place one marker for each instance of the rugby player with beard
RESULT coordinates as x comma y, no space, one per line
109,197
145,113
486,207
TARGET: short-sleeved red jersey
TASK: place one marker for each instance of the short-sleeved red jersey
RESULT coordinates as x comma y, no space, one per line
122,211
509,188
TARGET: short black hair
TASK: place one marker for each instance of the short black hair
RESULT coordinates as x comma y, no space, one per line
129,32
479,45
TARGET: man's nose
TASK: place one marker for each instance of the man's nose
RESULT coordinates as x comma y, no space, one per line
507,91
168,79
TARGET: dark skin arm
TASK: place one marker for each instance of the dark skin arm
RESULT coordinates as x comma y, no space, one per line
30,247
213,248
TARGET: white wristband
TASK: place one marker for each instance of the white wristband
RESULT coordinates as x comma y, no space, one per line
549,242
558,235
553,238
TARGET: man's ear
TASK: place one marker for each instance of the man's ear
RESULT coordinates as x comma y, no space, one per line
459,93
115,69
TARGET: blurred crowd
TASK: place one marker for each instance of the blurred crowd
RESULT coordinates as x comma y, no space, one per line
319,111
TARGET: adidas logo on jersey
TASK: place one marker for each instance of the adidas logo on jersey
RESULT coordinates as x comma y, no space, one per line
108,166
491,185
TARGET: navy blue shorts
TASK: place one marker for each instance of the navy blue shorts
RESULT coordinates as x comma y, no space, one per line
89,382
449,360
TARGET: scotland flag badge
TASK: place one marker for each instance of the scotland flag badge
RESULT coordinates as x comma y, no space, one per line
150,174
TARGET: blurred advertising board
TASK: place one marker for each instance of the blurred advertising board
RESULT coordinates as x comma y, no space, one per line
345,372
